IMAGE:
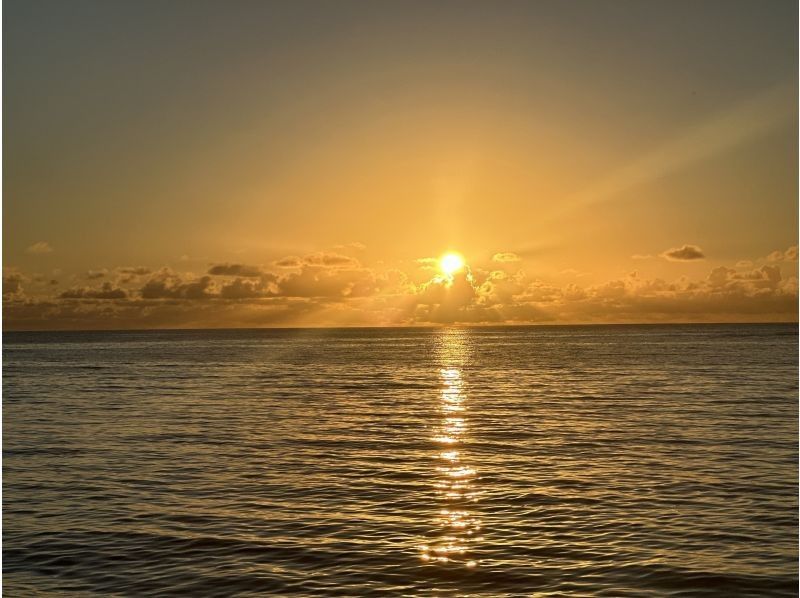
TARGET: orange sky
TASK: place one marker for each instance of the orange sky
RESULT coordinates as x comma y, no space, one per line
301,164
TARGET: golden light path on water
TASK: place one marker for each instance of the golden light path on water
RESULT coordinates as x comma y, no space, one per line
456,525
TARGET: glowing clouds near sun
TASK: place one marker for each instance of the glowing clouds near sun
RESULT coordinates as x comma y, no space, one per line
331,289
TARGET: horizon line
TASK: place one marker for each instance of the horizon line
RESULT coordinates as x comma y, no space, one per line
407,327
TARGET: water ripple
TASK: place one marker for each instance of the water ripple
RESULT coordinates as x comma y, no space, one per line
570,461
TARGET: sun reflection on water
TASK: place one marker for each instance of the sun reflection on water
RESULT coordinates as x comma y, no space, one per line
457,526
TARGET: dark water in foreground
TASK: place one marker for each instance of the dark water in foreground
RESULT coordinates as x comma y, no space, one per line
575,461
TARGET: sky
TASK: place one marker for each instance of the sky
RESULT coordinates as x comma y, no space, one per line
253,163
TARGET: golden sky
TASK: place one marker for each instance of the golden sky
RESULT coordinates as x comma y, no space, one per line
209,164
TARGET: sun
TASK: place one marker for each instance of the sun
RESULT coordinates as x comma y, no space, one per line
450,263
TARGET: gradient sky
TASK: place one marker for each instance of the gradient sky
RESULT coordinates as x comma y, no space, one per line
254,163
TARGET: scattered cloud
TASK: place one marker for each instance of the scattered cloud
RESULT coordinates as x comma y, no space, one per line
244,288
685,253
321,258
790,255
289,262
428,263
39,248
129,274
168,285
355,245
313,281
639,256
235,270
95,274
12,284
107,291
334,260
505,257
134,270
325,290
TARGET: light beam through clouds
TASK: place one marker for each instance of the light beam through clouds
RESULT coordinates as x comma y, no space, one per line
728,128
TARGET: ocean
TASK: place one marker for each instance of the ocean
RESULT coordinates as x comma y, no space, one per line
556,461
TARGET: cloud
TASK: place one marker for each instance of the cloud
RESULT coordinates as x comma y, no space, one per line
129,274
501,288
505,257
12,284
355,245
314,281
134,270
289,262
337,295
39,248
244,288
765,277
235,270
427,262
790,255
321,258
148,314
685,253
167,285
95,274
639,256
107,291
334,260
572,272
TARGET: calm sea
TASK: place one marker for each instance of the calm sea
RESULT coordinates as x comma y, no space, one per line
570,461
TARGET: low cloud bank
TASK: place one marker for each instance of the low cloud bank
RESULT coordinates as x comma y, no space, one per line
325,289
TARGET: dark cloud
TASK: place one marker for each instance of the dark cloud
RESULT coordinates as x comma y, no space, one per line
235,270
322,259
144,314
243,288
107,291
684,253
333,260
170,286
12,284
289,262
134,270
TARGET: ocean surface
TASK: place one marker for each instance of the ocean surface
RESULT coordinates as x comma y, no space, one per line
551,461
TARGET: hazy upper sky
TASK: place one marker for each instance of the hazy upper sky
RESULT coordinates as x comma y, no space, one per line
192,163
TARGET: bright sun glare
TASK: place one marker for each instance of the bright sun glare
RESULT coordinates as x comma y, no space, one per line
450,263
